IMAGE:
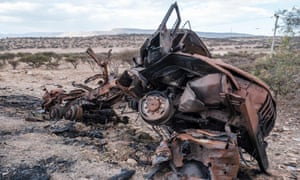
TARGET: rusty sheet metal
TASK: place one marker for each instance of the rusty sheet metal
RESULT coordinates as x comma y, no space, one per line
214,64
85,103
51,97
207,143
201,93
244,74
229,69
216,150
209,109
176,152
162,153
103,64
252,126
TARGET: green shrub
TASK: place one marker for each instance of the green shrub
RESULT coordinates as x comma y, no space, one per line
7,56
126,56
50,54
36,60
52,64
21,54
73,61
281,70
14,63
2,63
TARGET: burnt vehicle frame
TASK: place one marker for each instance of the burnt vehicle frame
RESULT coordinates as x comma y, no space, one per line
194,100
86,104
203,109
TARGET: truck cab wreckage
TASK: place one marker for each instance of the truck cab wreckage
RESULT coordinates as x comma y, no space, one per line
205,111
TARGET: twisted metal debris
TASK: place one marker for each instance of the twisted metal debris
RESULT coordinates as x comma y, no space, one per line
85,103
204,110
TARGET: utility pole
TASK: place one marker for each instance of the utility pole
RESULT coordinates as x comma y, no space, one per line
275,29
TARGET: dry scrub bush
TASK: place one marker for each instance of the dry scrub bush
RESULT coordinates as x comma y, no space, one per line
5,57
2,63
21,54
35,60
14,63
73,61
49,59
126,56
122,59
243,59
281,71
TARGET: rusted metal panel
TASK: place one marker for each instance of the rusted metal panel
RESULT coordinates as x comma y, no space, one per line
216,151
205,109
203,95
85,103
214,64
252,126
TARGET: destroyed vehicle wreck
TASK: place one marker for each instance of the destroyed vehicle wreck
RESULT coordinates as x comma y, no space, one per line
86,104
206,112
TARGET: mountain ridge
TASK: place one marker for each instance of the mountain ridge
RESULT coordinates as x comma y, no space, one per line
116,31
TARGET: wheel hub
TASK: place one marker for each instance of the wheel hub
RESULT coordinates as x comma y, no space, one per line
155,108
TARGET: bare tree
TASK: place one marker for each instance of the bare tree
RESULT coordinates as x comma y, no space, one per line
291,21
73,61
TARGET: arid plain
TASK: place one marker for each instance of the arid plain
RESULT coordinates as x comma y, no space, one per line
31,150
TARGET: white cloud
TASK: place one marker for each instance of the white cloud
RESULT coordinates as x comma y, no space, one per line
256,11
7,7
10,19
70,8
78,15
226,16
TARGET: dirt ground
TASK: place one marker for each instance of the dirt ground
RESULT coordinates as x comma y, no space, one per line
36,150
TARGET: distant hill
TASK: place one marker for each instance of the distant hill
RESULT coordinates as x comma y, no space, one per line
201,34
33,34
118,31
223,35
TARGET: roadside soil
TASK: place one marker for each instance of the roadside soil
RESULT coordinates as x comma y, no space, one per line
34,150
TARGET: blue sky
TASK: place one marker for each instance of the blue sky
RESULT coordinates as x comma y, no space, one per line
243,16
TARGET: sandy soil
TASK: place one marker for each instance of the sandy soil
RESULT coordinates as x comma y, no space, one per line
31,149
78,155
